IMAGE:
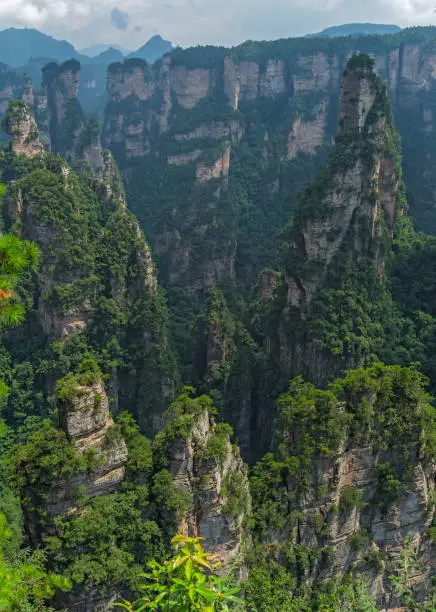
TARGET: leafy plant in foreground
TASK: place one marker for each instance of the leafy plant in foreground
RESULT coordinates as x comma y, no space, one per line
185,583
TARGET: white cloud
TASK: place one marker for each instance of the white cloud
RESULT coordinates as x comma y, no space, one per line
190,22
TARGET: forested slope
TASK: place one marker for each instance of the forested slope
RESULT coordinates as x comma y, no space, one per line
105,455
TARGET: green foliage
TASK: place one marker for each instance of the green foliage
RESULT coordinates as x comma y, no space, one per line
105,543
180,419
361,62
271,587
45,457
98,263
167,495
88,374
401,409
359,540
313,420
16,258
385,407
390,487
238,499
402,579
25,585
15,113
351,498
185,582
217,446
140,458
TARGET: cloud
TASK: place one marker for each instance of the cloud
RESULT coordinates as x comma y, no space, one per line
120,19
190,22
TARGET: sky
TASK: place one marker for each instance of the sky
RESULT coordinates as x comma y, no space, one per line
129,23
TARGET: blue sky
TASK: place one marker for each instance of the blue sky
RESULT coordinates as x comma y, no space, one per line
188,22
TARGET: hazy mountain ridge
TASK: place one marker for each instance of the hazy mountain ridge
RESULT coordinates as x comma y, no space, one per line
356,29
18,46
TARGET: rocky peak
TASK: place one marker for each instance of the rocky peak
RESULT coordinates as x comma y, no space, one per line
27,95
90,462
66,117
131,77
83,407
209,470
91,447
344,224
360,181
92,149
20,125
64,77
358,93
340,503
110,181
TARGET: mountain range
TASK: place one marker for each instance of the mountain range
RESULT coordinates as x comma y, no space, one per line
218,320
19,46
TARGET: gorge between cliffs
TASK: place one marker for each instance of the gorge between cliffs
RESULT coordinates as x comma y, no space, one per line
218,319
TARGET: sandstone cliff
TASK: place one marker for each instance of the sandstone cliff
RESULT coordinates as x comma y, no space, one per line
10,89
95,268
348,214
65,114
85,419
20,125
85,459
255,121
355,493
208,469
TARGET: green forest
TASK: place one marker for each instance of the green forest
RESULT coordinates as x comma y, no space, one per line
217,371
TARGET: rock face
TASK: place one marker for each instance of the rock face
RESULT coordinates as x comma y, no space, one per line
20,125
10,88
27,95
206,466
342,506
388,525
85,419
79,272
350,211
289,89
65,115
307,136
42,116
87,424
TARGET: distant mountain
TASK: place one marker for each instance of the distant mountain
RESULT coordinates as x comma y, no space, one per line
106,57
95,50
356,29
153,49
17,46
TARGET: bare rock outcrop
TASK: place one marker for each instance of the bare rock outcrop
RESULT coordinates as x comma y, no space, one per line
27,96
361,189
65,115
86,421
20,125
218,169
307,135
367,499
190,86
208,468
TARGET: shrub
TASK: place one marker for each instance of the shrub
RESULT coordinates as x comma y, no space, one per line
359,540
351,497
